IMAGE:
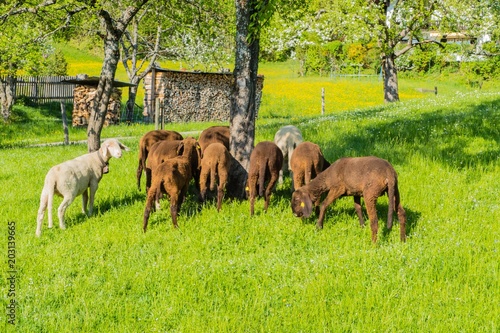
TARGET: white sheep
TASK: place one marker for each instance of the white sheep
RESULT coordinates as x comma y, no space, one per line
287,138
72,178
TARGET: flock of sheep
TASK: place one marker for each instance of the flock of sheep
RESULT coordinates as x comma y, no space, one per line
170,162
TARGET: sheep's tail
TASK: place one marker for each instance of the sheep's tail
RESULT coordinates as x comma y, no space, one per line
262,179
213,173
392,192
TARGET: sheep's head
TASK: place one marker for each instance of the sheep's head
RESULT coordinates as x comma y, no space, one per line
191,148
112,148
301,203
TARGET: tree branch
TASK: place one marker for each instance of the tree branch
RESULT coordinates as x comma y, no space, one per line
412,45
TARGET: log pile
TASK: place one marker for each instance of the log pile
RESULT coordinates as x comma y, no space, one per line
84,101
192,96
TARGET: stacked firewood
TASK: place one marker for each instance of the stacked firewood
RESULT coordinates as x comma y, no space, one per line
84,101
193,96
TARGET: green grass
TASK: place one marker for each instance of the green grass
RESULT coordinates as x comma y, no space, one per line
229,272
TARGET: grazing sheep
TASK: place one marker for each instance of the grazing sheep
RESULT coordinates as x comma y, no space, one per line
306,163
145,144
214,134
287,138
266,161
172,177
216,163
158,153
72,178
163,150
367,177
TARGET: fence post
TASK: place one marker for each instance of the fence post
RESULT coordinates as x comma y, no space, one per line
65,123
157,113
322,101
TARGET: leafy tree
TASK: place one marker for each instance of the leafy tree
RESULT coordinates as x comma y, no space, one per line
399,26
25,35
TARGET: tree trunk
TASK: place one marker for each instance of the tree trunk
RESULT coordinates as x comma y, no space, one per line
114,32
390,73
132,94
242,116
7,97
103,93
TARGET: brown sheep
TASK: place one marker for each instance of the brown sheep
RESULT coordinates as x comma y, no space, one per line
214,134
158,153
172,177
306,163
146,142
369,177
216,163
266,161
163,150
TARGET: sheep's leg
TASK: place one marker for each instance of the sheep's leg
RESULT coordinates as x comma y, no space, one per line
330,198
371,202
252,194
139,174
85,199
148,178
357,207
93,189
50,201
157,197
401,216
220,196
62,209
269,189
307,176
147,210
203,183
41,211
173,210
280,179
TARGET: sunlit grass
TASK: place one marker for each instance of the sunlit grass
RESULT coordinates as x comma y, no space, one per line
229,272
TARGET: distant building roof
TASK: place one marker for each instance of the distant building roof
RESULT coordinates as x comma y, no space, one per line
94,81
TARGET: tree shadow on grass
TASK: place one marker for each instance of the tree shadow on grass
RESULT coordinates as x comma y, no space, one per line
102,207
333,211
467,137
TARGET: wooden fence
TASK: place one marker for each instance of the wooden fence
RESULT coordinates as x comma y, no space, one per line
44,89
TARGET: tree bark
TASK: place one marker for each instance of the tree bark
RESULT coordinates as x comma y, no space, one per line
7,98
103,93
242,115
390,74
114,32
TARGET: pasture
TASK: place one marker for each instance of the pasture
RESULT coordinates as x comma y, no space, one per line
229,272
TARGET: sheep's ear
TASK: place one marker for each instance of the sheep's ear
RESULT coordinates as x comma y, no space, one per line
180,148
306,205
104,147
123,147
198,149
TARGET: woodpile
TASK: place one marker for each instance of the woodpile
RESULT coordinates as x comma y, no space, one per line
84,101
191,96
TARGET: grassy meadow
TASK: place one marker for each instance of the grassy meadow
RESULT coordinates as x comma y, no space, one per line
229,272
